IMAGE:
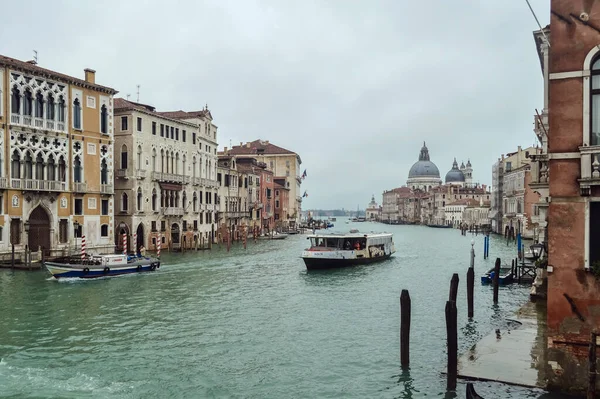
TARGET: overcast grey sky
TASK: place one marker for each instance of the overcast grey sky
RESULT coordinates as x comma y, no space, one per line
352,86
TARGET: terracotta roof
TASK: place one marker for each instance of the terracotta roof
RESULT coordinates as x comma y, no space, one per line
259,147
280,186
121,103
34,69
465,201
186,115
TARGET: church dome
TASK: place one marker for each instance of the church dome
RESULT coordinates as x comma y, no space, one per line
455,175
424,167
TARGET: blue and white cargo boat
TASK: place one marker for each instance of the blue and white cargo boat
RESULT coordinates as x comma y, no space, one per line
101,266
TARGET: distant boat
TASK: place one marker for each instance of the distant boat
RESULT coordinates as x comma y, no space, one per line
440,226
100,266
339,250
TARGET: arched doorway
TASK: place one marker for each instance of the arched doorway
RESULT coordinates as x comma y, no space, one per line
140,236
39,229
175,236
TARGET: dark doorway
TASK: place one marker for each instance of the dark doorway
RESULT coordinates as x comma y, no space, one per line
140,237
175,236
39,229
122,229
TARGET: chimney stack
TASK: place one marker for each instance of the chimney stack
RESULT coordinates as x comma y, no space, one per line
90,75
225,150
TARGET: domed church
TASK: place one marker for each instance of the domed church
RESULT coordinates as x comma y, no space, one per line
455,176
423,174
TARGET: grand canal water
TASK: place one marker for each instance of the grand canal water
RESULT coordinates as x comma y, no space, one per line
250,324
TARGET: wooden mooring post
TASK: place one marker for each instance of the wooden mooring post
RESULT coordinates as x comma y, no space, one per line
470,288
405,308
496,279
591,393
452,342
12,257
453,287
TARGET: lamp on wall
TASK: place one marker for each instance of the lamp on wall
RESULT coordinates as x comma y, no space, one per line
26,225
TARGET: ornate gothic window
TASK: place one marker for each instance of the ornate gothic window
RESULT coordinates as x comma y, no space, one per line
27,103
139,199
62,169
51,169
184,201
124,157
183,166
50,108
103,172
28,166
153,160
15,101
39,167
39,105
139,157
162,161
15,165
76,114
194,202
194,167
154,199
61,109
103,119
77,169
124,202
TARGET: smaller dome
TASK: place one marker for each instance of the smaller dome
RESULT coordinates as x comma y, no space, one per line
455,175
468,163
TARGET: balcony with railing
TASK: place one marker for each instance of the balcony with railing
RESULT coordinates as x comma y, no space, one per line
168,177
140,173
106,189
590,169
173,211
121,173
3,182
539,173
37,185
79,187
236,214
38,123
196,181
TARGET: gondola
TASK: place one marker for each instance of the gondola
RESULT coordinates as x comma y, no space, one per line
471,394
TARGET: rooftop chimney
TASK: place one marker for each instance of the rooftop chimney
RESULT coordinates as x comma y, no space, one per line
225,150
32,62
90,75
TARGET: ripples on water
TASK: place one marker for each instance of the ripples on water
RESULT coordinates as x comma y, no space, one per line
250,323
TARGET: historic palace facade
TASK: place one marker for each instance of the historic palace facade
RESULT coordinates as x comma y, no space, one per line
56,162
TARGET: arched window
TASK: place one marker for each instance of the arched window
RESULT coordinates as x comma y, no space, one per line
154,199
15,101
162,199
595,92
139,199
154,160
50,108
206,169
194,202
15,172
39,167
194,167
162,161
27,103
104,230
124,157
176,200
183,165
51,168
184,200
77,169
103,172
61,109
173,162
103,119
139,157
62,169
28,166
39,105
76,114
124,202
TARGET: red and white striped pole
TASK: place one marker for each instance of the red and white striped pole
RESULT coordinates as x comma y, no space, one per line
124,244
134,244
158,242
83,247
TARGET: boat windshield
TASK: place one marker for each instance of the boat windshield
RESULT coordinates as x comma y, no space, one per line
339,243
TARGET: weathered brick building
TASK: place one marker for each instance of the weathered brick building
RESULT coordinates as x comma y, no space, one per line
573,88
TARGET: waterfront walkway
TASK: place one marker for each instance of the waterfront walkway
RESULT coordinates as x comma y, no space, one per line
513,354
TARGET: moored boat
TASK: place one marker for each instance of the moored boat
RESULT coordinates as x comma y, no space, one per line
340,250
100,266
505,276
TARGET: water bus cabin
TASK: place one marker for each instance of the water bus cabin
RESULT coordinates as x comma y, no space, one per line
339,250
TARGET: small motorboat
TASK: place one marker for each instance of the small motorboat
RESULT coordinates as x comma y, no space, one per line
100,266
504,277
471,394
